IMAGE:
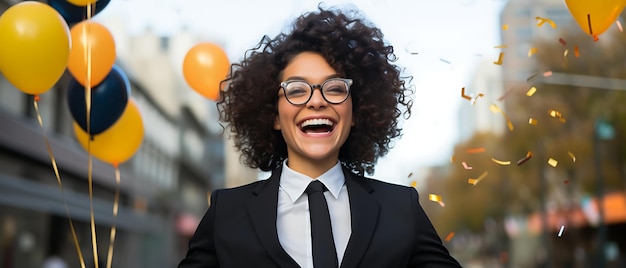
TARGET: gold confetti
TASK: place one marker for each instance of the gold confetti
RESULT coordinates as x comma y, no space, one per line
541,21
434,198
576,52
532,121
465,166
413,184
526,158
475,150
557,114
495,109
449,236
532,51
552,162
499,62
500,162
501,46
572,156
505,27
463,94
531,91
476,181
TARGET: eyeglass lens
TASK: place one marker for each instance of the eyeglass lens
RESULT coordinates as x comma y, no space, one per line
299,92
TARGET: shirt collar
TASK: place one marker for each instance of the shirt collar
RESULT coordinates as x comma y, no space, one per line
294,183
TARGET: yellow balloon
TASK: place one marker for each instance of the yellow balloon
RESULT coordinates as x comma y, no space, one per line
82,2
595,17
34,46
118,143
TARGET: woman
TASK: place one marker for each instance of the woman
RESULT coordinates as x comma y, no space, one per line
320,103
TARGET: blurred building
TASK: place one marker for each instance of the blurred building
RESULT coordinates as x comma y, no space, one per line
164,188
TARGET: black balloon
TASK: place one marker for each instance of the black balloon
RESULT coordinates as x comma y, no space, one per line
108,101
73,13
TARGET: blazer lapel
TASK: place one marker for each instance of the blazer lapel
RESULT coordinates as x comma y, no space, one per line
364,210
263,210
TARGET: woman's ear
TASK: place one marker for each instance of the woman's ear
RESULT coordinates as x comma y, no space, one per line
276,123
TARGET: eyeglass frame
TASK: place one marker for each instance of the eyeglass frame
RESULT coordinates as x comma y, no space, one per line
347,81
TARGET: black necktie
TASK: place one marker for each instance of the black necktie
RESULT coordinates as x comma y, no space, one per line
324,253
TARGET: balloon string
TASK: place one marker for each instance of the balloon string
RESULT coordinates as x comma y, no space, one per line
115,210
94,244
87,54
58,177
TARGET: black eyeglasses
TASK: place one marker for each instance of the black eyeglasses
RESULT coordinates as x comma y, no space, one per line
334,90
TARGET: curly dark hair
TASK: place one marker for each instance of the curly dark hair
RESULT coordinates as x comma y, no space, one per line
355,48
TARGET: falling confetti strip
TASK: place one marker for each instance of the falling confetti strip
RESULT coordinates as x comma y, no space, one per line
531,91
465,166
452,158
475,150
476,181
500,162
556,114
576,52
449,236
413,184
501,46
505,94
531,78
505,27
463,94
526,158
552,162
434,197
565,55
572,156
532,51
495,109
562,41
532,121
619,26
547,73
541,21
561,231
444,61
500,57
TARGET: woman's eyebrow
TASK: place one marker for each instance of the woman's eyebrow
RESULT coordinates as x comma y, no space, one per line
299,78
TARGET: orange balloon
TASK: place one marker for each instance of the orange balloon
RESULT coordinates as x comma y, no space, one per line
93,51
118,143
204,67
34,46
595,17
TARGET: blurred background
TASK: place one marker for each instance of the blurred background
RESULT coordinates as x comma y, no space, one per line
516,143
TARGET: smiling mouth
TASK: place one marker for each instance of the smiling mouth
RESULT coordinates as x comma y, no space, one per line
318,125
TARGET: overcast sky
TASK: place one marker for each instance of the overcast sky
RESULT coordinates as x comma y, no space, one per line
449,36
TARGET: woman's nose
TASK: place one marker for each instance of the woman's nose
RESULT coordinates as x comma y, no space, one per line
317,99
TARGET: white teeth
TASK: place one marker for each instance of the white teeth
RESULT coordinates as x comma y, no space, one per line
317,122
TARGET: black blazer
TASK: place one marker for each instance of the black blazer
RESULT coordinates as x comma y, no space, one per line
389,228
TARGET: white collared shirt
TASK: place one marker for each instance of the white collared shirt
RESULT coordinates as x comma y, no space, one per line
293,221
